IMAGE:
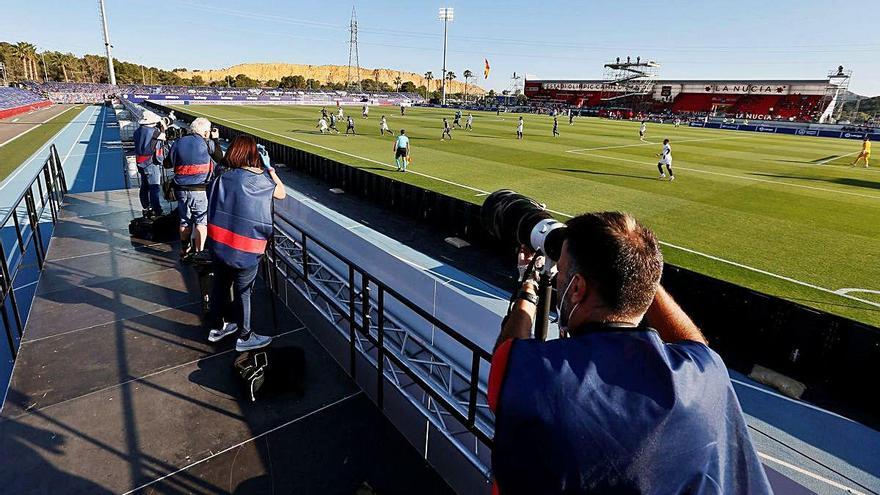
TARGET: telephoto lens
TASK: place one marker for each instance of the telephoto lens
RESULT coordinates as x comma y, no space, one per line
515,220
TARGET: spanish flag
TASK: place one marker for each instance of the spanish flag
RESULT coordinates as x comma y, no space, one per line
486,69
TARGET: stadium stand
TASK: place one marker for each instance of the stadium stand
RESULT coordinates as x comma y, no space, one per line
794,100
59,92
14,101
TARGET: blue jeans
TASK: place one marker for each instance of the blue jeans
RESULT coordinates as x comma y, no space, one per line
234,307
150,189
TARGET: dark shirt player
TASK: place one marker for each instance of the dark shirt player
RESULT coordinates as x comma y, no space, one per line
619,406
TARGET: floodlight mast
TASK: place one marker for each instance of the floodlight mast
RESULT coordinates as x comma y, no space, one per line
111,73
445,16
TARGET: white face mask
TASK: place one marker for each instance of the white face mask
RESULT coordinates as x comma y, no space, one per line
563,316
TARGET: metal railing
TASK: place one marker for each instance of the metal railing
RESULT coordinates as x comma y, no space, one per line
46,187
369,314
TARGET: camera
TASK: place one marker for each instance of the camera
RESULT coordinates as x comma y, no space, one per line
514,219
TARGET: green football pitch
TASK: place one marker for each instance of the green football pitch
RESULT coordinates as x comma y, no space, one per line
784,215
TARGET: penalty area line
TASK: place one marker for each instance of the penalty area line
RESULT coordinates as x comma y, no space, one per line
667,244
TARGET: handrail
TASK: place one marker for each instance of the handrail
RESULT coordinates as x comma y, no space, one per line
50,192
361,326
386,288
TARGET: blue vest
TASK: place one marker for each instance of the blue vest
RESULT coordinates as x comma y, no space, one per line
240,217
192,163
147,149
619,411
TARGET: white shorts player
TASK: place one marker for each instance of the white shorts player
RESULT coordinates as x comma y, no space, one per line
666,160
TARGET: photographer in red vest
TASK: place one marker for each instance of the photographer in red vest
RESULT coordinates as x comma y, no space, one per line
239,228
633,400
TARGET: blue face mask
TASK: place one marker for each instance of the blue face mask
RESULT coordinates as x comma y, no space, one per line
560,305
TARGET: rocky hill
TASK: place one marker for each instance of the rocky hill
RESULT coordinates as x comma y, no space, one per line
325,74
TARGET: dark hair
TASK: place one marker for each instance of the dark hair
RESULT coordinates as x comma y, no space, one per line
403,131
665,141
243,152
620,256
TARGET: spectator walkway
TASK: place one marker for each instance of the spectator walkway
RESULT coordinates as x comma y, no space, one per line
116,389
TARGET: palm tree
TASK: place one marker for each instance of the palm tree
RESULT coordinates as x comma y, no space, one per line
397,82
429,76
21,52
467,75
66,60
32,57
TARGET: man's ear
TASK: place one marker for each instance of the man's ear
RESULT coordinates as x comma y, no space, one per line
580,288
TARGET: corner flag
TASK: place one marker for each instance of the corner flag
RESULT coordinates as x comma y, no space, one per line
486,69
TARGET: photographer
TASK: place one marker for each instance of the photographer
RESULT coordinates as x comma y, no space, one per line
239,228
193,157
149,149
619,406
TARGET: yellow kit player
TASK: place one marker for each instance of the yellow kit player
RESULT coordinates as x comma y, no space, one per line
865,153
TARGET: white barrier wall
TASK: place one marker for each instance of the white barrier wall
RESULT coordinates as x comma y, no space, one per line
466,304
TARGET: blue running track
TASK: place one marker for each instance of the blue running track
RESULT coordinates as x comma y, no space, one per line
91,152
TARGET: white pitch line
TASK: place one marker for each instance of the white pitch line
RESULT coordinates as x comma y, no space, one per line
847,290
100,144
823,162
811,474
667,244
37,154
654,144
734,176
39,124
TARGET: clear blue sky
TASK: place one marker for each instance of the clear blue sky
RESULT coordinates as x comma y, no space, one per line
735,39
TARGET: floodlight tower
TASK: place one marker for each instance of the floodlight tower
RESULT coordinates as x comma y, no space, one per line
445,16
107,45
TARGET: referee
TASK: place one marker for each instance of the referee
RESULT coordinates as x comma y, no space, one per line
401,151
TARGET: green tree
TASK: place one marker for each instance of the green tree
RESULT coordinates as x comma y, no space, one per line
408,87
243,81
273,83
467,75
429,76
397,82
21,51
197,80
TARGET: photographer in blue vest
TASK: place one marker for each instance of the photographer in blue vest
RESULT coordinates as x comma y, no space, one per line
633,400
239,228
194,157
149,150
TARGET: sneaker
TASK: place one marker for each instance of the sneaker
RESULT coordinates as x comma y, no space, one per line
217,334
253,341
662,176
671,178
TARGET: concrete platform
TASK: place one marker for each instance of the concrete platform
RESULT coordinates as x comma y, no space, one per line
117,390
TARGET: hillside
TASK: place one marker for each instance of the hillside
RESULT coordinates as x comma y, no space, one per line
868,106
325,74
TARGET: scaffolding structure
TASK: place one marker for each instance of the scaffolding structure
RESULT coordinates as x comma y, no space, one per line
627,78
835,92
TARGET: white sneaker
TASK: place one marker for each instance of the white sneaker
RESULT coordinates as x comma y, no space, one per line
217,334
253,341
671,178
662,176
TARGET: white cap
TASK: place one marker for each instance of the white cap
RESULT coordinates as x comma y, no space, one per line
149,118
